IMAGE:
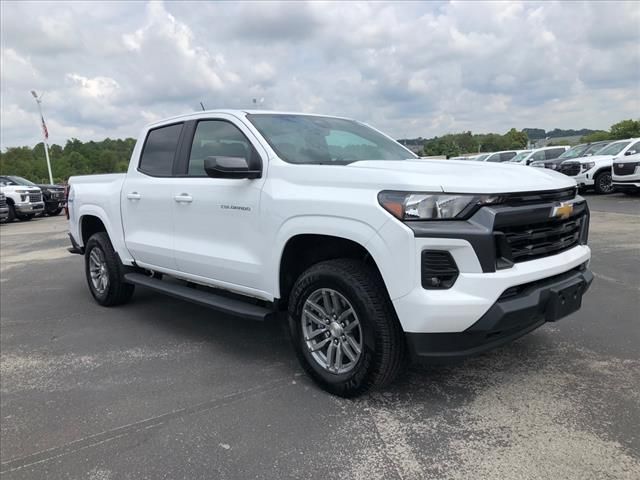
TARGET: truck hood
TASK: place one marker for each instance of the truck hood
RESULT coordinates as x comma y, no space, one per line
459,176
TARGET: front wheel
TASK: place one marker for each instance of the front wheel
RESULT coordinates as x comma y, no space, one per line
25,218
104,272
55,212
602,183
344,328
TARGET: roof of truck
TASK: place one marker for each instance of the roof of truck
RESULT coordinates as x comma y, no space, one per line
237,113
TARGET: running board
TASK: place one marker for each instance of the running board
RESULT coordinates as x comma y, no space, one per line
214,301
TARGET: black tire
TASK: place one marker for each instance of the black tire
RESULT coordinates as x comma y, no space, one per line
383,351
54,213
602,183
12,213
25,218
117,291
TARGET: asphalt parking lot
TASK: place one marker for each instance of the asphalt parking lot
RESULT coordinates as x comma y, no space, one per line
160,388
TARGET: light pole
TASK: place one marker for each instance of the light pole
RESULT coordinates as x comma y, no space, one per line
45,132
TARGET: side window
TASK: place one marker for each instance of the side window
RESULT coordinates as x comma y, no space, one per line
159,151
506,156
537,156
218,138
634,148
493,158
553,153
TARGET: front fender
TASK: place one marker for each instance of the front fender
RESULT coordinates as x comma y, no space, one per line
348,228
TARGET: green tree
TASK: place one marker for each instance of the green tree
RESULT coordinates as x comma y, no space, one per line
597,136
625,129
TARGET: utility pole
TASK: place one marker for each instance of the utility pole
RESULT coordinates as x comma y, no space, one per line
45,133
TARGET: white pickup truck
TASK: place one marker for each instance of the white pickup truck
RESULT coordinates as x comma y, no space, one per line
376,255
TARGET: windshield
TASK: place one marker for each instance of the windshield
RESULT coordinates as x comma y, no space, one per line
309,139
480,158
575,152
14,180
613,148
521,156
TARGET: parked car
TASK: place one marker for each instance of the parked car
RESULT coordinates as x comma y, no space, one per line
480,158
583,150
626,174
24,198
503,156
595,171
53,196
4,208
372,253
539,154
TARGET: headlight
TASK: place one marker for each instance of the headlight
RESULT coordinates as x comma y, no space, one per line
22,191
432,206
588,166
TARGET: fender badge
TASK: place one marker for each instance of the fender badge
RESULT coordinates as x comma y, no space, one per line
562,211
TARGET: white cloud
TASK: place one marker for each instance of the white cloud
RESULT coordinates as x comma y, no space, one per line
409,68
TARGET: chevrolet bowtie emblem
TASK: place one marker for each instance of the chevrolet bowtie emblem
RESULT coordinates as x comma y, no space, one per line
562,211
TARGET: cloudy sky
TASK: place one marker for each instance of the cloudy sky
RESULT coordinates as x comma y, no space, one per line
408,68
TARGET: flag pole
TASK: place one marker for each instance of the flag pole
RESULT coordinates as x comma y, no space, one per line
45,134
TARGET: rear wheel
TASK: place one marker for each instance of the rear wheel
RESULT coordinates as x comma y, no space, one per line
602,183
344,328
105,273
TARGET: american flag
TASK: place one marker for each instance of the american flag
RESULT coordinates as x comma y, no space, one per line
44,128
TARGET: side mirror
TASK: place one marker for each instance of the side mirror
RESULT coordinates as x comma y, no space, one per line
229,167
630,152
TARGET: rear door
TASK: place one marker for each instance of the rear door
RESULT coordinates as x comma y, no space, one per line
218,233
147,199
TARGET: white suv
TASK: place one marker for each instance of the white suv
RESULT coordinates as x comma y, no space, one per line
626,173
595,171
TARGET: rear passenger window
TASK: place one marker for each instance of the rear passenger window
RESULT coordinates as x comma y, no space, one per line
159,150
553,153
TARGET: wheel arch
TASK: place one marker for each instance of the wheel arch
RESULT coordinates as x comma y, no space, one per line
301,242
92,219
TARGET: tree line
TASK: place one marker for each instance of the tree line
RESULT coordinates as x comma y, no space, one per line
455,144
112,156
75,158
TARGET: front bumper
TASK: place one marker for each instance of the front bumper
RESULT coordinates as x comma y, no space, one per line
4,213
626,186
517,312
585,179
28,208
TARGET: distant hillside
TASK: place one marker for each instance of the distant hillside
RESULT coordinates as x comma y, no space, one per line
540,133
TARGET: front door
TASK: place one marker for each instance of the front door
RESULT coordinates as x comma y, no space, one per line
217,220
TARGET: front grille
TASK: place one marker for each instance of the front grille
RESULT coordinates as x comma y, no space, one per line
570,168
625,168
35,197
528,198
537,240
3,202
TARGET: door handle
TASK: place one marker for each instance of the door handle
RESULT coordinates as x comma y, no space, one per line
134,196
183,198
